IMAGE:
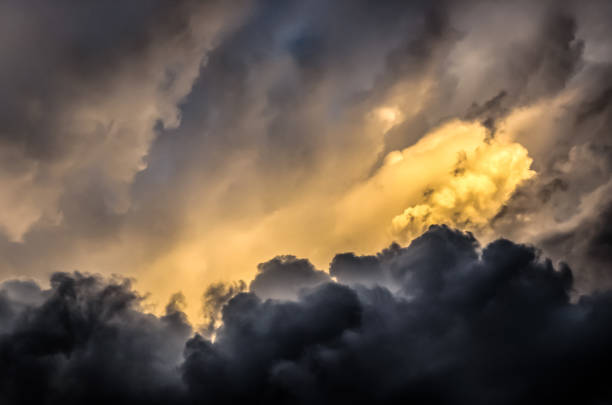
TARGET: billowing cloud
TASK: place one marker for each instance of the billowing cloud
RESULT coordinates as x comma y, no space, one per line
481,183
455,175
81,109
442,320
157,140
214,299
83,336
282,276
170,147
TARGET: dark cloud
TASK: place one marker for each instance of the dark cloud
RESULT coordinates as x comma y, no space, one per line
93,162
214,299
464,324
88,341
282,95
350,269
489,112
284,276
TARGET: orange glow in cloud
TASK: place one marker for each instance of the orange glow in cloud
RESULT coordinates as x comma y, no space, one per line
456,175
482,181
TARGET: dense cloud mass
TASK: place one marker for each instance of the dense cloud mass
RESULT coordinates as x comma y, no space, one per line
282,276
440,321
169,147
155,139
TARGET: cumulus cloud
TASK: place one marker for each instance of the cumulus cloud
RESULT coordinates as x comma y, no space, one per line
215,297
86,339
443,320
481,182
182,143
283,276
457,174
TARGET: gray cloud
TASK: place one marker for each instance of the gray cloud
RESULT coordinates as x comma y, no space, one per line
566,206
467,324
81,337
86,90
215,297
178,141
268,96
284,276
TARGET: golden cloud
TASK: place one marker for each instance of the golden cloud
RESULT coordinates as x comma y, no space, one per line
481,182
457,175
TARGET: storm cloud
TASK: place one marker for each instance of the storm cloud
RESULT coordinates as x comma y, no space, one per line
177,180
139,138
454,322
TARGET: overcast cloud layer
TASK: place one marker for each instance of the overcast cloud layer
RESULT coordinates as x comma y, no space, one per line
155,140
220,155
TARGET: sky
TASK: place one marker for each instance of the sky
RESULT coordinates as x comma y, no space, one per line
198,177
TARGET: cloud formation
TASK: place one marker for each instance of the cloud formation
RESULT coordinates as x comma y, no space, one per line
82,102
169,147
156,140
442,320
484,177
281,277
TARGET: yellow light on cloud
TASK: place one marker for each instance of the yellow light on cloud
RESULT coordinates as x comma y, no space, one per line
456,175
481,182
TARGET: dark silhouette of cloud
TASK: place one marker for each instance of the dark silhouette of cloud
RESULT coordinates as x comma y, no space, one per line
280,89
283,277
456,323
87,341
215,297
117,120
